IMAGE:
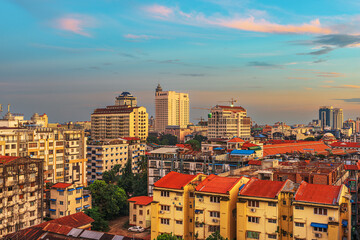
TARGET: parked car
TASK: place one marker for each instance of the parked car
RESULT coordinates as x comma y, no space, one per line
136,229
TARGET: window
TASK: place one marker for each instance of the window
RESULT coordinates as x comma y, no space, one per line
165,208
215,214
61,193
134,206
61,213
32,213
141,212
61,203
299,207
272,204
254,219
297,224
179,222
165,221
178,208
284,202
77,190
214,228
165,194
320,211
271,220
284,217
214,199
78,201
252,235
253,204
318,229
272,236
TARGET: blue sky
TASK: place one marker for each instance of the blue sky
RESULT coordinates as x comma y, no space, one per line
281,59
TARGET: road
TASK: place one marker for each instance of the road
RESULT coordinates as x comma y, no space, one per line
117,227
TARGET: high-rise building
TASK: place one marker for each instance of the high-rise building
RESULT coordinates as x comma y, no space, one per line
119,121
357,125
171,108
326,116
338,118
229,122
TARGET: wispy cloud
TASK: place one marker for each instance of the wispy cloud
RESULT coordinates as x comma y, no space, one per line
308,88
350,100
76,24
159,11
70,49
298,78
343,86
263,64
329,74
127,55
322,51
139,37
192,74
329,81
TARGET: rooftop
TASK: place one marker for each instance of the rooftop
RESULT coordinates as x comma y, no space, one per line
217,184
303,147
61,185
236,139
318,193
7,159
174,180
141,200
262,188
74,220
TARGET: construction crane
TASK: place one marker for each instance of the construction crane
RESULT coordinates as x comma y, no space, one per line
232,101
201,120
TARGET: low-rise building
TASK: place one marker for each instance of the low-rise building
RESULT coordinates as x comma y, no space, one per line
66,199
140,211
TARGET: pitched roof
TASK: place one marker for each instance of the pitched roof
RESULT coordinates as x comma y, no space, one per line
346,144
351,167
141,200
262,188
230,108
174,180
254,162
302,147
61,185
217,184
236,139
131,138
74,220
7,159
318,193
247,145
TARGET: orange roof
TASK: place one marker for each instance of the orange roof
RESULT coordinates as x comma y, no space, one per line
254,162
74,220
302,147
141,200
351,167
131,138
262,188
7,159
230,108
236,139
174,180
61,185
318,193
217,184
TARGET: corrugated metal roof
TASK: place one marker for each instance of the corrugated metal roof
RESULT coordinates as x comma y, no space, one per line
117,237
91,234
75,232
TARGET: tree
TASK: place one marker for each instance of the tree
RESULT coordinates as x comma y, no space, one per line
100,224
167,237
152,139
309,139
109,198
200,138
127,178
216,236
195,145
112,175
140,184
168,139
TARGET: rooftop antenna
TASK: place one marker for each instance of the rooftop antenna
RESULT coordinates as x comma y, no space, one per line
9,107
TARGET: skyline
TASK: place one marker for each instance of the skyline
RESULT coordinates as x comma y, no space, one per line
281,62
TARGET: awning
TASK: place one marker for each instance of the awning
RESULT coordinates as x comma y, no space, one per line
79,188
60,190
86,206
78,198
242,152
218,148
319,225
51,199
79,208
344,223
71,189
86,196
52,210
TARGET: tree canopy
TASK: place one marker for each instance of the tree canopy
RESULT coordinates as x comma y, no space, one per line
195,144
100,224
168,139
167,237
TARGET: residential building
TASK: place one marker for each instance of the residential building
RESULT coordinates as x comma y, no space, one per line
338,119
136,153
104,155
354,187
140,211
264,210
21,193
321,212
228,122
17,120
171,108
215,198
66,199
172,209
351,125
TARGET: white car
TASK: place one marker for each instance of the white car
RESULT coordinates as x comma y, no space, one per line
136,229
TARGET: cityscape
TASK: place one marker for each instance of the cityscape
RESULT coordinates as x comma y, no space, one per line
194,120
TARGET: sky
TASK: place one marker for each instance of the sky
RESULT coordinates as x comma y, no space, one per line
280,60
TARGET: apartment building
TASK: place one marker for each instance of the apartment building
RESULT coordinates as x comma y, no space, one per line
136,152
104,155
215,198
140,211
321,212
228,122
171,109
67,199
21,193
172,209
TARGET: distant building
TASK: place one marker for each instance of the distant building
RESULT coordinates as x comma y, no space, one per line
21,195
228,122
126,99
171,108
338,118
331,117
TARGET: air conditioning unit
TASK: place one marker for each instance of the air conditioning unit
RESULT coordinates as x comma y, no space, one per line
201,200
253,210
215,220
161,212
318,235
176,198
331,219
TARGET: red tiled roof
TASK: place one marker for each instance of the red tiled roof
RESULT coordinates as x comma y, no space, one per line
230,108
75,220
247,145
61,185
302,147
217,184
318,193
262,188
56,228
346,144
174,180
141,200
351,167
7,159
131,138
236,139
254,162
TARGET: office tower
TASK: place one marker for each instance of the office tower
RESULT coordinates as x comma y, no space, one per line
228,122
21,196
357,125
120,120
338,118
126,98
171,108
326,116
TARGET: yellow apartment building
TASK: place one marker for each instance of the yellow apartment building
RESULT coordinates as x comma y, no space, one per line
172,209
322,212
67,199
140,211
264,210
215,206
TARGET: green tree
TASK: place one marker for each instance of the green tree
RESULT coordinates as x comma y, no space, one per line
167,237
195,145
112,175
168,139
216,236
309,139
109,198
100,224
152,139
127,178
140,184
200,138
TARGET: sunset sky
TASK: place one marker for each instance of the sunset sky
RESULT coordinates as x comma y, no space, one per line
280,59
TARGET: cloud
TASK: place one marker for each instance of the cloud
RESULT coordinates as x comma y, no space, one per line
159,11
308,89
139,37
70,49
320,60
75,24
329,74
337,40
350,100
263,64
192,74
343,86
330,81
322,51
298,78
128,55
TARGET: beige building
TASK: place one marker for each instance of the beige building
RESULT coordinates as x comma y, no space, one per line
120,120
228,122
140,211
21,193
171,108
67,199
136,152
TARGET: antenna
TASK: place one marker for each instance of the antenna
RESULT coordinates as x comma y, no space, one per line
9,107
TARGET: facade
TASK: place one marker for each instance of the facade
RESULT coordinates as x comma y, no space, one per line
140,211
104,155
338,118
136,153
21,193
215,198
228,122
326,116
171,108
66,199
126,99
